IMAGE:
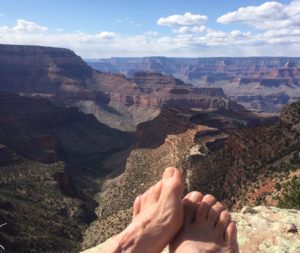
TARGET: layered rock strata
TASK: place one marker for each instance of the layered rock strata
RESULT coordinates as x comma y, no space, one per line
260,83
117,101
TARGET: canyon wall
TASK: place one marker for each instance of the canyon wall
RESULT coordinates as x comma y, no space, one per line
262,84
116,100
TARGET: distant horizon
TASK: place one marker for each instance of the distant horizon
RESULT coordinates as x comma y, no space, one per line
183,57
151,56
183,29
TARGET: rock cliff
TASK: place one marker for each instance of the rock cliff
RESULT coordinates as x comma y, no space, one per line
115,100
45,70
259,83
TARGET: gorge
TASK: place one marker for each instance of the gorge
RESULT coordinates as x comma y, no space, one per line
78,144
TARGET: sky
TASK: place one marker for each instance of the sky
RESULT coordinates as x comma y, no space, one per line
136,28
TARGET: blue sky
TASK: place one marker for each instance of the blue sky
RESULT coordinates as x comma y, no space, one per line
192,28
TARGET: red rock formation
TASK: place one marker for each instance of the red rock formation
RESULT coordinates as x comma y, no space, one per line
257,82
114,99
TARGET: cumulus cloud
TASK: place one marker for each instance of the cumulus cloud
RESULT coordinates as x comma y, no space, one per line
190,29
188,19
189,40
267,16
28,26
106,35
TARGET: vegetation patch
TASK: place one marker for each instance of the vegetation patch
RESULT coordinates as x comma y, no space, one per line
291,194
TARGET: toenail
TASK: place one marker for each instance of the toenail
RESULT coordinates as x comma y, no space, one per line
196,196
169,172
193,194
210,198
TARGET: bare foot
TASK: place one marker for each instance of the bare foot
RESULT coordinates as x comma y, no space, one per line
157,218
207,227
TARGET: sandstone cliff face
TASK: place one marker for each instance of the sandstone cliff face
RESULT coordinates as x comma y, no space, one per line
260,230
260,83
153,89
118,101
32,69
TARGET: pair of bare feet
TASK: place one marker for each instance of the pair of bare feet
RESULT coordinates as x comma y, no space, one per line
195,224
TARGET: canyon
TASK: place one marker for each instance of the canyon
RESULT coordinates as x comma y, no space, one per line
261,84
78,144
117,101
50,163
239,166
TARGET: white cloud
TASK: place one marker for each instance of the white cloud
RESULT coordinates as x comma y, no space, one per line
106,35
189,29
268,16
188,19
28,26
190,40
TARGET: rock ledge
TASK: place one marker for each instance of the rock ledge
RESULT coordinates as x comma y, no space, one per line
261,229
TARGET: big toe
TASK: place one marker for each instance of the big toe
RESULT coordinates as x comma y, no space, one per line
172,185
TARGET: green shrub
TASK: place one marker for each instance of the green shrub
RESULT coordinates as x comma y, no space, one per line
291,194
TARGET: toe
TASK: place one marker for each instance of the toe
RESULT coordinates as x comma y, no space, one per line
154,193
222,224
136,206
231,234
202,213
214,213
190,205
172,185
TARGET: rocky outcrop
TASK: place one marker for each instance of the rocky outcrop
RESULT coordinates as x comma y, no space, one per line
260,230
246,160
259,83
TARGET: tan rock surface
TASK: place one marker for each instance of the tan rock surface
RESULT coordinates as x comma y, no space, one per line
260,230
